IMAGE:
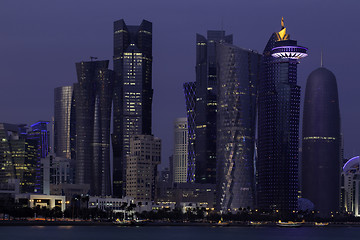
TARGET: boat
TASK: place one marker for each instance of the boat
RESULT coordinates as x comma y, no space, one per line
321,224
288,224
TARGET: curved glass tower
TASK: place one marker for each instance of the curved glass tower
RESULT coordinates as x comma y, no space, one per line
238,75
278,131
64,121
93,97
321,142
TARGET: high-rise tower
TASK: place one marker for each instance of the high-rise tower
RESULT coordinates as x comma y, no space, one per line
321,142
180,157
93,97
206,105
278,119
64,122
190,98
132,100
238,75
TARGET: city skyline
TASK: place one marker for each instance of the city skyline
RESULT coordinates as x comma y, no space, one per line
168,75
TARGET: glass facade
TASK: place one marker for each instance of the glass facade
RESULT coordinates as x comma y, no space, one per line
206,105
321,142
64,118
190,98
93,99
40,135
278,129
132,99
238,76
19,157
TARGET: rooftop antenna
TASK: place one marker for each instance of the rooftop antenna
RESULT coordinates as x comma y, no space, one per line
321,59
93,58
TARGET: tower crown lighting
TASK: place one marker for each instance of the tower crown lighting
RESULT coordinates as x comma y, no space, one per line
286,48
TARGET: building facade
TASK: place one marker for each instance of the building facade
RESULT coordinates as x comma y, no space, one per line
132,96
351,186
206,105
145,153
19,157
238,75
321,142
190,99
64,122
278,124
180,157
93,97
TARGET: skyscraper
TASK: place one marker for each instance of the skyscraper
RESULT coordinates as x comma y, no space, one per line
180,157
132,100
321,142
93,97
64,121
145,152
19,156
190,99
278,124
41,137
238,75
206,105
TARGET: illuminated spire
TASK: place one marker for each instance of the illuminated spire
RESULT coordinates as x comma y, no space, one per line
281,36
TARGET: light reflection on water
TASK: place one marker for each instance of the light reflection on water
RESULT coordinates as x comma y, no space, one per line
178,233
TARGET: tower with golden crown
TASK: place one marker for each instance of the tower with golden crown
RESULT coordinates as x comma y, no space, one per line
278,124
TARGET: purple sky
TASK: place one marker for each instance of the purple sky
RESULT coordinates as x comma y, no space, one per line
41,40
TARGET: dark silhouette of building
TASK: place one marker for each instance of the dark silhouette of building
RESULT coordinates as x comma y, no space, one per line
321,142
206,105
190,99
238,75
64,122
278,124
93,97
132,99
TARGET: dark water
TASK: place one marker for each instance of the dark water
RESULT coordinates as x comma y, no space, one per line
177,233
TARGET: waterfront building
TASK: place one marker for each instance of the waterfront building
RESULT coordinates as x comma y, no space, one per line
145,153
132,96
64,122
19,156
180,157
190,99
47,201
351,185
278,124
41,136
238,75
93,97
206,104
321,142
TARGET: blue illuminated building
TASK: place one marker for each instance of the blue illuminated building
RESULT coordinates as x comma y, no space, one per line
40,135
278,124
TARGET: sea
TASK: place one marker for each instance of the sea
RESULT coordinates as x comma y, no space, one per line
176,233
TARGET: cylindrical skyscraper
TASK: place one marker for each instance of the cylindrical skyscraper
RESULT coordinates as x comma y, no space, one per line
63,107
321,142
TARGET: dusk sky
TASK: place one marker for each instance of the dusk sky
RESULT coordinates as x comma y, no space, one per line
41,40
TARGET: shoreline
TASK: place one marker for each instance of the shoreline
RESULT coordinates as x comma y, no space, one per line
166,224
